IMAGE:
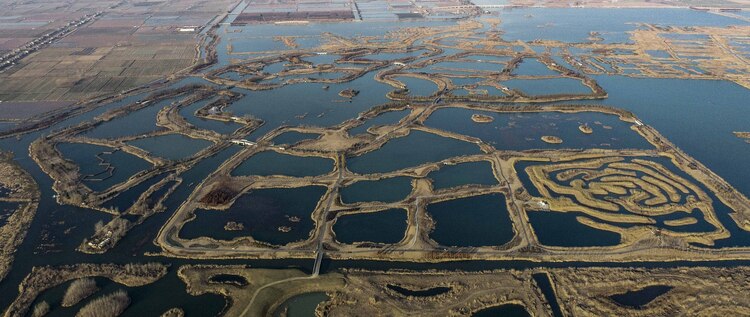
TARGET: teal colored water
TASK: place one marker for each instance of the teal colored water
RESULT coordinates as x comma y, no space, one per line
293,137
386,190
412,150
387,227
262,212
471,222
386,118
273,163
172,146
475,173
523,131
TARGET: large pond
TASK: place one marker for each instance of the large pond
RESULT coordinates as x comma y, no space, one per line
414,149
274,163
387,226
548,86
523,131
470,173
387,190
102,167
171,146
277,216
471,222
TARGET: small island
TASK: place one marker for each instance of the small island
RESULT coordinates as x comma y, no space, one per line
481,118
234,226
743,135
552,139
585,128
349,93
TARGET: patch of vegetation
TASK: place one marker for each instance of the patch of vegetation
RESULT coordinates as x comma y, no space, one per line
106,306
79,290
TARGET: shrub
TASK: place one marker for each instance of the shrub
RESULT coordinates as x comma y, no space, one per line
78,290
111,305
40,309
